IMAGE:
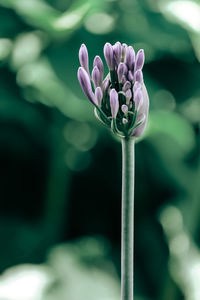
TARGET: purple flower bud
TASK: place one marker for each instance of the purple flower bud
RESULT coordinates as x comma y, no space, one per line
114,103
96,77
130,76
124,121
124,108
124,48
130,57
85,83
105,84
117,50
99,95
139,60
138,76
83,58
126,86
124,79
138,99
98,62
120,71
128,96
137,85
142,113
109,56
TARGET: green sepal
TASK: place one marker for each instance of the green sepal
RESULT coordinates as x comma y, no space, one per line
115,128
100,115
135,126
120,86
138,124
122,98
132,124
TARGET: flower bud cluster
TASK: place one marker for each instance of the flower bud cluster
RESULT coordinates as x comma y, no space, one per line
121,100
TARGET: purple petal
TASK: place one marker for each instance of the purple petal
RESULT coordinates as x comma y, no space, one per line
99,95
124,48
137,85
121,71
109,55
105,84
85,83
126,86
130,57
114,103
128,96
139,61
124,79
83,58
124,108
96,77
138,98
117,50
138,76
130,76
143,111
98,62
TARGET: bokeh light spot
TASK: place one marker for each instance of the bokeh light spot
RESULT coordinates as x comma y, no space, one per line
71,19
24,282
191,109
163,99
179,244
171,219
5,48
27,48
80,135
187,12
100,23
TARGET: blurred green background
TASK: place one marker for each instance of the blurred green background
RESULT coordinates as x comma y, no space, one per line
60,174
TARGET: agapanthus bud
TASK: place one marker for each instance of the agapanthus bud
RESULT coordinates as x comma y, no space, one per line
117,50
130,57
128,96
105,84
120,71
109,55
98,62
130,76
126,86
137,85
139,60
138,76
114,103
124,79
138,99
120,98
142,113
124,121
124,108
124,48
99,95
85,83
83,58
96,77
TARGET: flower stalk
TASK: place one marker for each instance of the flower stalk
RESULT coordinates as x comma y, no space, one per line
127,223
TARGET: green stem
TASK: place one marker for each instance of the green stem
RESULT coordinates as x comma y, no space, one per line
127,241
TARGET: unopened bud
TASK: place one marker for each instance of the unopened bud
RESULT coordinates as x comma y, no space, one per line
114,102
